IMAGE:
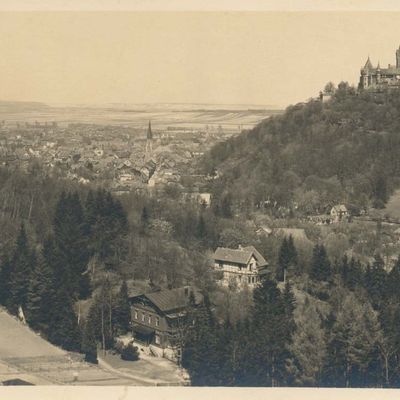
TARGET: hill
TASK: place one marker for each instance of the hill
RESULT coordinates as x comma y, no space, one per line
21,106
314,155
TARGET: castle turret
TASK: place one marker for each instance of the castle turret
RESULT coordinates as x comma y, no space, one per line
368,65
378,73
365,74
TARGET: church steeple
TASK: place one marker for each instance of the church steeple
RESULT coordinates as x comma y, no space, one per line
149,132
149,144
398,58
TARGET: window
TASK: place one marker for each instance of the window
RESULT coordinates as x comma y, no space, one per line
249,279
157,321
143,317
149,319
136,314
157,339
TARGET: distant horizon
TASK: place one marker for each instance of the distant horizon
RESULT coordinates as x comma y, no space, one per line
58,104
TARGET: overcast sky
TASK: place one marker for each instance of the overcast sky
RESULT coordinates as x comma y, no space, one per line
266,58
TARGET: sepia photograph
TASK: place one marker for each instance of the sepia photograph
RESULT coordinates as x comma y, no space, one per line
199,196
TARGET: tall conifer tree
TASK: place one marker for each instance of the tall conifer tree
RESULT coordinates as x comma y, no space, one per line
320,265
22,265
122,312
40,297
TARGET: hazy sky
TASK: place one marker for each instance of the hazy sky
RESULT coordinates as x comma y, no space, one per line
267,58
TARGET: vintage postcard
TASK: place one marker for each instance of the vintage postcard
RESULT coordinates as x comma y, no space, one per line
199,199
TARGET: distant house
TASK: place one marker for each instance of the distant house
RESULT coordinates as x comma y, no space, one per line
204,199
263,230
159,317
123,178
243,266
339,213
99,152
148,170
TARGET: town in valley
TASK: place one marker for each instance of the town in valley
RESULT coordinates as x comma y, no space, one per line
195,243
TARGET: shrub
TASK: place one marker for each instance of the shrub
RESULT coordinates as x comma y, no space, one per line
119,346
91,358
130,353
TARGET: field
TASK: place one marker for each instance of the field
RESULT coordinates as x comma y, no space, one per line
230,117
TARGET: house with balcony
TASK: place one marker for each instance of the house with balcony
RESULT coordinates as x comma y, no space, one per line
244,266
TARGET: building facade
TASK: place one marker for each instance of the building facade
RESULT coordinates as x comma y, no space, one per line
242,267
377,77
159,319
339,213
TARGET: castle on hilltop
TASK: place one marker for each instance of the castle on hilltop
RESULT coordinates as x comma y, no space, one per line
380,77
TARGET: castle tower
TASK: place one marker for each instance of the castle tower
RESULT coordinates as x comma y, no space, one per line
398,58
378,73
365,78
149,143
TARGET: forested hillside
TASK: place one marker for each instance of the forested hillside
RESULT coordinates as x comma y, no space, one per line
327,312
315,155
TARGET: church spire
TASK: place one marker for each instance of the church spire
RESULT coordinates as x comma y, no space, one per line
149,144
149,132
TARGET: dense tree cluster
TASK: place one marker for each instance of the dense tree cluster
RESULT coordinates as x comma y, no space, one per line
254,352
45,280
340,330
313,156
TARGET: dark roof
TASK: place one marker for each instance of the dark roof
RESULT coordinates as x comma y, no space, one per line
172,299
385,71
239,256
392,70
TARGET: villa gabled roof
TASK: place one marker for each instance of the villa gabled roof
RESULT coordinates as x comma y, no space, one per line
239,256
